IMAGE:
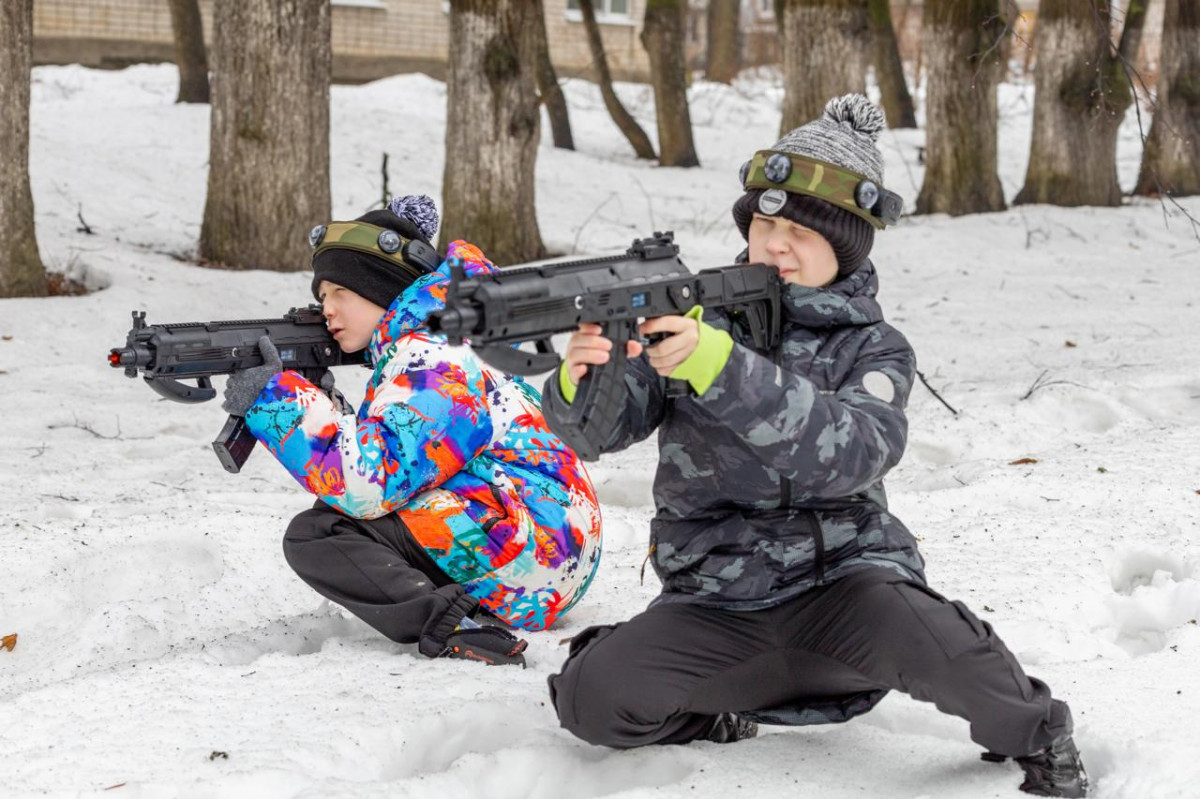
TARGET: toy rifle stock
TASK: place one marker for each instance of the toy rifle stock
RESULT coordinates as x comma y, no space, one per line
167,354
494,312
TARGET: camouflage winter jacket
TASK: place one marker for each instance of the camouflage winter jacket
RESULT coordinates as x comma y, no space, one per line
771,481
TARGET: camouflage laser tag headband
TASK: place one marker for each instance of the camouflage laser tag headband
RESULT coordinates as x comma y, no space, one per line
843,188
411,255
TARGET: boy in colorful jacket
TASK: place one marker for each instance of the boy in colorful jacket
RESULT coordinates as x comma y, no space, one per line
445,494
791,595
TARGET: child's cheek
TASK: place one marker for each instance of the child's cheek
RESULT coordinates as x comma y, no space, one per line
757,251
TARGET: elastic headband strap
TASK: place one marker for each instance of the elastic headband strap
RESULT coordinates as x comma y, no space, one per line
365,238
837,185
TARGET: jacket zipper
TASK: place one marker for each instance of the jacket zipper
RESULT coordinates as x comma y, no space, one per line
785,501
819,547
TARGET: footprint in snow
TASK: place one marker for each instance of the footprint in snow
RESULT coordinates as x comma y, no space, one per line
1154,593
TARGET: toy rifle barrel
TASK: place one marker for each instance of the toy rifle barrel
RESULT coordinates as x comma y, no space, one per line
167,354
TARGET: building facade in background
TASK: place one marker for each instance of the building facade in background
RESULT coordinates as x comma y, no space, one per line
376,38
371,38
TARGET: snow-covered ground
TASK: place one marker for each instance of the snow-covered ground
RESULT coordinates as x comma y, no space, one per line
166,650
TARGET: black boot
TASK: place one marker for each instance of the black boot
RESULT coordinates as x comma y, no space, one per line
467,640
1055,771
730,727
491,645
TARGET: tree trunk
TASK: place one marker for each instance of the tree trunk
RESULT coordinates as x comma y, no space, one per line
189,51
663,38
623,119
492,123
268,174
1135,23
889,69
1081,97
724,46
21,270
547,85
1171,161
824,46
960,107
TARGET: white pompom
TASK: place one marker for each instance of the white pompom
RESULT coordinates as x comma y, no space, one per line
860,113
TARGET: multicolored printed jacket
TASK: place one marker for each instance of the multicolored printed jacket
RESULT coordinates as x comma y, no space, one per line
460,451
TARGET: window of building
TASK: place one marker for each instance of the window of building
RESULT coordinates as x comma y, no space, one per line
608,7
610,12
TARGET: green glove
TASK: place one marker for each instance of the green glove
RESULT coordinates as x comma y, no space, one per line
701,368
565,385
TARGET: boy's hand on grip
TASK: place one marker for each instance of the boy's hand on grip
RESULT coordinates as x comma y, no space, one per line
587,347
682,337
243,386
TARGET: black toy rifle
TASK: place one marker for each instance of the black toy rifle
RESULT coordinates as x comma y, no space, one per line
494,312
166,354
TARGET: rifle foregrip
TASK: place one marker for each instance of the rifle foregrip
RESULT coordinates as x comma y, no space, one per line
593,415
234,444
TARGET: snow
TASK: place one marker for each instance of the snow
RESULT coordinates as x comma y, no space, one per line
166,648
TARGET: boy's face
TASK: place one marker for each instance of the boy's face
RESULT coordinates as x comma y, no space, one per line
802,256
350,317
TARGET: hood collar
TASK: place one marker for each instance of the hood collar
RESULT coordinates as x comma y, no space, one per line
848,301
424,296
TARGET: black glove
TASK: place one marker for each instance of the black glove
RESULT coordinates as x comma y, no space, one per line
243,386
327,383
492,645
339,401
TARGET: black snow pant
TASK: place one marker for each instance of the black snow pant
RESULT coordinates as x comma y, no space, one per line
376,569
661,677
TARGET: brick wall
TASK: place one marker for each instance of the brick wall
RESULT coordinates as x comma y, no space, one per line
146,20
371,38
374,38
622,43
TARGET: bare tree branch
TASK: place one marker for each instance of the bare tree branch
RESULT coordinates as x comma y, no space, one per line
925,382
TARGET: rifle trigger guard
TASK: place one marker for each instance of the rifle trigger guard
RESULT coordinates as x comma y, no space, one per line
176,391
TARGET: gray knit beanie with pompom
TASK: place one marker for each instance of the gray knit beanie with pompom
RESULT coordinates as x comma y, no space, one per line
844,135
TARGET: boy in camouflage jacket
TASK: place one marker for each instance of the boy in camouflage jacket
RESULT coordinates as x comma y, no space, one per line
790,594
445,496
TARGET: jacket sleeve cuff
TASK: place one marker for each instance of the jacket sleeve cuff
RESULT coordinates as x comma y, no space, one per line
565,385
702,367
